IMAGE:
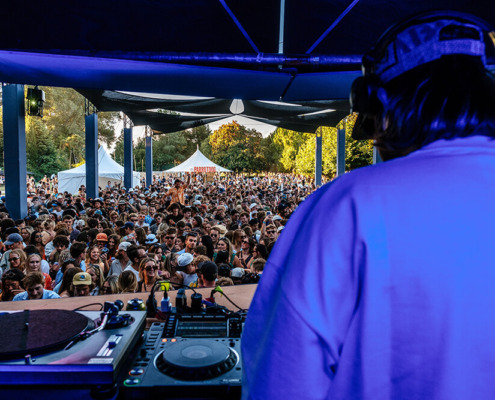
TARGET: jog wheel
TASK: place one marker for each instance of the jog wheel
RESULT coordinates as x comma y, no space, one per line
196,360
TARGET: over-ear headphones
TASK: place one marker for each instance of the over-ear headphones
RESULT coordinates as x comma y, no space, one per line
407,45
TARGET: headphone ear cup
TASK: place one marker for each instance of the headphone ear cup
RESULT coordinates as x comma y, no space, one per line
366,99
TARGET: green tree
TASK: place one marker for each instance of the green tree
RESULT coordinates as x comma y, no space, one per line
237,148
42,156
170,150
195,137
298,150
289,143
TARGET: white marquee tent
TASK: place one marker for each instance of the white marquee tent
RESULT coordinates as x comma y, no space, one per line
197,163
108,170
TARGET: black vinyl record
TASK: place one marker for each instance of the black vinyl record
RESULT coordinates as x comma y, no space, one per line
32,332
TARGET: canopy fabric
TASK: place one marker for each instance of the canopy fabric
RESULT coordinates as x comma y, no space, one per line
218,49
108,170
298,116
215,48
197,163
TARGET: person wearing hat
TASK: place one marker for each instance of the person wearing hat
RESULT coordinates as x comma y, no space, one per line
101,240
82,284
14,241
277,220
186,270
381,286
122,206
121,261
34,284
57,209
150,240
237,274
130,234
98,205
177,192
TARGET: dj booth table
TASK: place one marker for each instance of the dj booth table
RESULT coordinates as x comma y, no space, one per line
240,294
185,356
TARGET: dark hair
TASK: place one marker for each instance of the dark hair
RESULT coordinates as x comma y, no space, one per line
208,243
32,239
200,250
92,223
83,237
66,284
444,99
224,270
68,262
252,243
12,274
92,234
181,224
31,249
222,257
262,250
61,240
133,252
199,221
77,249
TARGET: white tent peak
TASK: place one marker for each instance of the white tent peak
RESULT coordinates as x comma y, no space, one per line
108,170
197,163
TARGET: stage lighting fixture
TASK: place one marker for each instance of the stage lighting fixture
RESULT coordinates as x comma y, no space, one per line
36,100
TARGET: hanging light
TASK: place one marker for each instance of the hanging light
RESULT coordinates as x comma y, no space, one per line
35,99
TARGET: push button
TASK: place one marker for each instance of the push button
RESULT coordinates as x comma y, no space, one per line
136,371
132,381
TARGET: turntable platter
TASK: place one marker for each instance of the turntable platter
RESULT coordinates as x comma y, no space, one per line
196,360
32,332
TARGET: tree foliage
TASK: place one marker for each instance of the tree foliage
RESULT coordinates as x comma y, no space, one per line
42,156
57,142
237,148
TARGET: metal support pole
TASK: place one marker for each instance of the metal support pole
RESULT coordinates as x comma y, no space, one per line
149,157
127,154
376,156
91,124
14,136
341,150
318,157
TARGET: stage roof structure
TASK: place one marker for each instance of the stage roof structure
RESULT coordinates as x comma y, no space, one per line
301,53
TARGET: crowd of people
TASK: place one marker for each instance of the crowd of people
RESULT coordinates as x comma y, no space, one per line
198,231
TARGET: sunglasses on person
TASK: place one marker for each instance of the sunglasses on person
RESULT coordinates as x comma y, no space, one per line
151,268
170,237
105,289
270,232
13,258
